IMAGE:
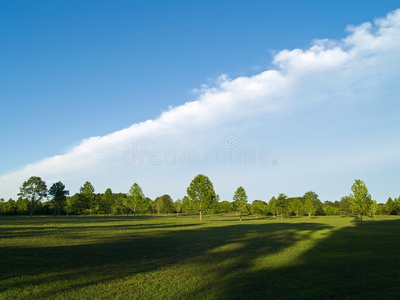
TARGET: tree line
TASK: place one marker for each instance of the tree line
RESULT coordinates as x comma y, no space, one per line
36,199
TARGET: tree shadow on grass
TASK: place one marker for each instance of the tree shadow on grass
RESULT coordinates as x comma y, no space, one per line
360,262
228,262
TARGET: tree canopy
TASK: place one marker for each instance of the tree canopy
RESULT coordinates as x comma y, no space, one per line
34,189
360,199
201,193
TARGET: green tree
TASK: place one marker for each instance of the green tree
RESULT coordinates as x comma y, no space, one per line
86,196
318,206
59,196
34,189
240,200
282,203
344,206
360,199
73,204
178,206
187,205
22,206
201,193
135,199
225,207
2,205
391,206
296,206
107,201
10,207
164,204
309,207
258,208
273,207
374,207
118,206
330,210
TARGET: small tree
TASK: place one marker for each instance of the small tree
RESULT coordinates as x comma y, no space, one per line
374,207
330,210
258,208
22,206
240,200
135,199
201,193
308,207
178,206
34,189
87,196
107,201
59,194
360,199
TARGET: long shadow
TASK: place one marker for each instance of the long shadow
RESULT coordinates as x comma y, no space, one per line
122,256
361,262
351,263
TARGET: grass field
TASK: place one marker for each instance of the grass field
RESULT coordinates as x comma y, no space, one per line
173,257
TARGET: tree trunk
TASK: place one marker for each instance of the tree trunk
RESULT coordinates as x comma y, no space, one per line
309,215
240,215
200,215
281,213
361,216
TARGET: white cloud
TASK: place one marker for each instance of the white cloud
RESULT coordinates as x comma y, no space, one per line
359,64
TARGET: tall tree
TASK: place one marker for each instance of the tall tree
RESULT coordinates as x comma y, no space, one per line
34,189
309,207
107,201
390,206
201,193
273,207
282,202
59,194
360,199
135,199
318,206
240,200
87,196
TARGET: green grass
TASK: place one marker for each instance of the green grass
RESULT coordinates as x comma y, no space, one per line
181,258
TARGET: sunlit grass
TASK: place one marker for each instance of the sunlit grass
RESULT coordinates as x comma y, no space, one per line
171,257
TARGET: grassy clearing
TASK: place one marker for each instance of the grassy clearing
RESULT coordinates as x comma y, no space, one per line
180,258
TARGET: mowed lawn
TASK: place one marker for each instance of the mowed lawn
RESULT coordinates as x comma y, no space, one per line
169,257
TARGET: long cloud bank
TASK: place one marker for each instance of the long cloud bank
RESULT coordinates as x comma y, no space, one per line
361,63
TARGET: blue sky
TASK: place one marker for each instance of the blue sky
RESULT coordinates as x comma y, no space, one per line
75,70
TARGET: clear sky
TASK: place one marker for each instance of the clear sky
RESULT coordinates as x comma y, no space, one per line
304,89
